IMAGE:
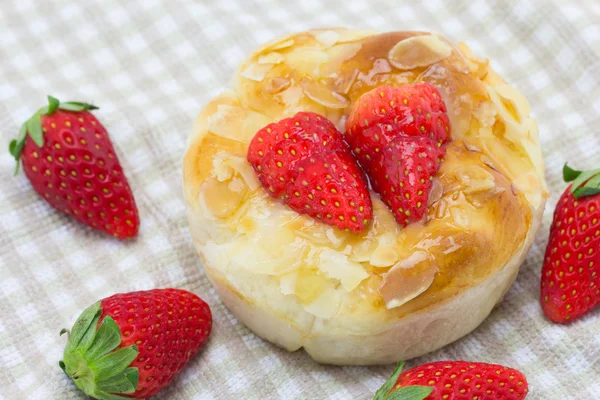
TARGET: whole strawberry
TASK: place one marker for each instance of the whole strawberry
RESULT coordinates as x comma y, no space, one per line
70,161
304,161
454,380
132,345
570,284
397,133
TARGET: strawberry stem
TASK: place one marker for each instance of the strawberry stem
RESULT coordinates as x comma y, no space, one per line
33,126
403,393
93,360
585,183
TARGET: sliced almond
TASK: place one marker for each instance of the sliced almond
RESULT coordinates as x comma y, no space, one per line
477,65
271,58
222,170
344,82
471,147
236,123
287,283
386,253
326,305
219,200
475,179
418,51
441,209
323,95
407,279
512,108
256,71
226,165
277,44
518,103
350,35
327,38
336,57
291,96
487,161
306,60
363,250
283,45
485,112
337,266
310,284
255,255
277,85
436,191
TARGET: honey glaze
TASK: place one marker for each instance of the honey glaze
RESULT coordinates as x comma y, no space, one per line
479,206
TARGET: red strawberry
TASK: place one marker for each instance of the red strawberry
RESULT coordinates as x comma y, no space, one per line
454,380
70,161
409,110
304,161
402,175
397,133
570,284
133,344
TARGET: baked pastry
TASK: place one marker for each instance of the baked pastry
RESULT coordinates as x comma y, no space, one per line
389,292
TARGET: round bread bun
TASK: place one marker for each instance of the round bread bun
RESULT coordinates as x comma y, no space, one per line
387,293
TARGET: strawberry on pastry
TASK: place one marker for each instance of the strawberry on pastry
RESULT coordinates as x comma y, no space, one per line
570,284
132,345
70,161
402,175
454,380
397,134
304,161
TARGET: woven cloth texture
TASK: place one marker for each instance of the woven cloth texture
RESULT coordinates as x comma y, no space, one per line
151,65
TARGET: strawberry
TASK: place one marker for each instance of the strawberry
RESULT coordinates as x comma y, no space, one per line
402,175
70,161
304,161
132,345
570,284
409,110
397,134
454,380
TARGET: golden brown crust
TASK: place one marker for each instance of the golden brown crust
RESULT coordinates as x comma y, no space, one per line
396,291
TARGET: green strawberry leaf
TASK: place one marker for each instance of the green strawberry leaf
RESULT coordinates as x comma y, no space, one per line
34,128
77,106
570,174
389,384
53,104
126,382
585,191
113,363
585,183
109,396
16,146
133,375
108,338
584,177
85,328
410,393
12,147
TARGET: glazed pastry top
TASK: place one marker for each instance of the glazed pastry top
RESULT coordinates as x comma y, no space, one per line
480,206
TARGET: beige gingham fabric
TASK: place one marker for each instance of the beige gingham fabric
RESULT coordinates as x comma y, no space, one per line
151,65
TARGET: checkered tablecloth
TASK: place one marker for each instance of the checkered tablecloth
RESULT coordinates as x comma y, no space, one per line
151,65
